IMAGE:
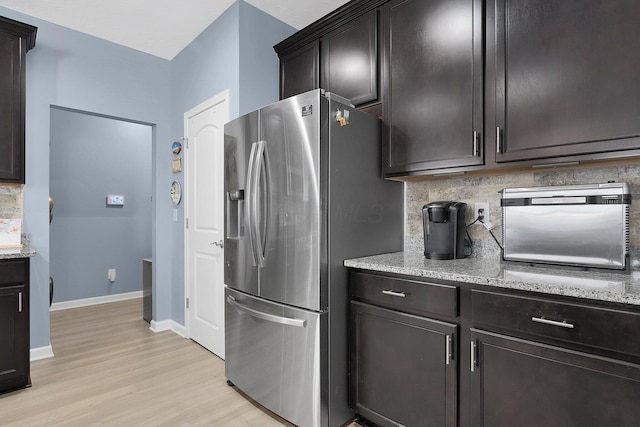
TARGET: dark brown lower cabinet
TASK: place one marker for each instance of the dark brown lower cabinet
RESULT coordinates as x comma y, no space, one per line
496,357
517,382
14,324
404,368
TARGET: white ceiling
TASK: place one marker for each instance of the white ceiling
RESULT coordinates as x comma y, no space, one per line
159,27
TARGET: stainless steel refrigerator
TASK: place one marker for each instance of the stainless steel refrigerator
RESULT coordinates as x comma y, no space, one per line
303,192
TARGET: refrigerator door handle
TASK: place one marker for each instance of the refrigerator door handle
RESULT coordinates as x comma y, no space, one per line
301,323
262,172
248,206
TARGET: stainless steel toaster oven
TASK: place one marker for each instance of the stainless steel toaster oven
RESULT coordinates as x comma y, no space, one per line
575,225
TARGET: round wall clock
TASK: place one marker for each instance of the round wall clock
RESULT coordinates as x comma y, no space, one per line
176,192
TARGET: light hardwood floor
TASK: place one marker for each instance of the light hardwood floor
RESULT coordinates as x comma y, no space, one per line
109,369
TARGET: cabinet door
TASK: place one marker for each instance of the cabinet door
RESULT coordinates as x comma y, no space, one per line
432,106
14,345
523,383
300,70
403,368
12,52
566,77
350,60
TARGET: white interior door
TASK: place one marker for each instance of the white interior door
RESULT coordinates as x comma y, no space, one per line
204,219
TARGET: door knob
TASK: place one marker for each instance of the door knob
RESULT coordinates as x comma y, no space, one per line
219,244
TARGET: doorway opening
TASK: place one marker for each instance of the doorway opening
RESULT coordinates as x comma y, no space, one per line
101,186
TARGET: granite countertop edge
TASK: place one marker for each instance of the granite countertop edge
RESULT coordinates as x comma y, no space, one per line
617,287
25,252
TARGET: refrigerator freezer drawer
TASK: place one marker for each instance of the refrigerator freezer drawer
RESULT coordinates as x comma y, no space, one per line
273,355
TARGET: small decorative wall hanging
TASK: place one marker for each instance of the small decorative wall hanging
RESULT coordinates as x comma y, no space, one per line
176,147
175,191
176,165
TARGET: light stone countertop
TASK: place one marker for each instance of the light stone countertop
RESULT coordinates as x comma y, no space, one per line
619,287
24,252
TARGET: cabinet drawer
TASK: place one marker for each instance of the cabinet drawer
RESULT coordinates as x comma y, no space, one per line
13,271
405,295
603,328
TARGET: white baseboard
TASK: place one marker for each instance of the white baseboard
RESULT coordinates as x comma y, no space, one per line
64,305
168,325
41,353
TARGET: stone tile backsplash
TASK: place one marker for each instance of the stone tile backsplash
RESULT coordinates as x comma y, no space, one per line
10,201
485,189
471,190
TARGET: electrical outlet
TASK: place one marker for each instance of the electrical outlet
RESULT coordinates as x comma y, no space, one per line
111,275
481,210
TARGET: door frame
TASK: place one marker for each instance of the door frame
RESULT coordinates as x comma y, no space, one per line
216,99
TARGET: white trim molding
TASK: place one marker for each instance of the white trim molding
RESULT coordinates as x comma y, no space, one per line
64,305
168,325
40,353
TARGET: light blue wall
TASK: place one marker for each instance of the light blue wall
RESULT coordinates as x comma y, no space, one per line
92,156
259,66
234,53
206,67
76,71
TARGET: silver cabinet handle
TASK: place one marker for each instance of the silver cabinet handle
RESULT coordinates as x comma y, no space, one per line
498,140
394,293
219,244
473,356
301,323
19,302
476,136
448,349
562,324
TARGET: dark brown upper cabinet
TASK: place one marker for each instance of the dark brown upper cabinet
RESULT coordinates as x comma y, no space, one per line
433,86
566,78
350,60
16,39
338,53
300,70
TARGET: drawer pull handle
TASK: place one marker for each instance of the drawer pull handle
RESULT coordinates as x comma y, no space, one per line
394,293
562,324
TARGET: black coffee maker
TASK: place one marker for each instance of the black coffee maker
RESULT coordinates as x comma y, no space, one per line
444,229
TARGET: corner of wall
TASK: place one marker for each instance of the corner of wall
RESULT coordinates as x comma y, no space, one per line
258,62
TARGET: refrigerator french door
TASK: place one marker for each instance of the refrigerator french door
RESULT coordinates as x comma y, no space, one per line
303,192
277,155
